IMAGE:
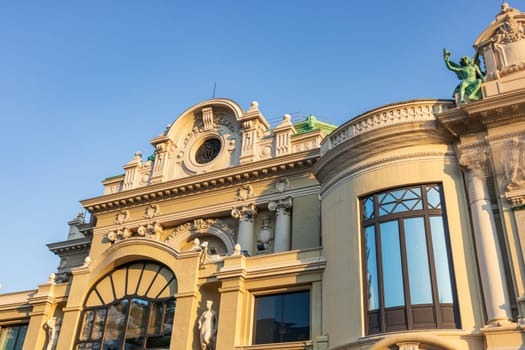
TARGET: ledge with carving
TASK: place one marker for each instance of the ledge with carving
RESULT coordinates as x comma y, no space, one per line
476,116
384,117
234,176
516,198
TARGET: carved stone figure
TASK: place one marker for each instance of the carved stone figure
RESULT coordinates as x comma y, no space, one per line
470,75
52,327
208,327
514,166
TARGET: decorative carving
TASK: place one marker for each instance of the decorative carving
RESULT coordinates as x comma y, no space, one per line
408,346
510,31
52,327
515,165
248,212
474,158
52,278
154,230
237,249
122,217
385,117
244,192
207,326
207,118
204,257
151,211
265,234
281,185
284,203
87,262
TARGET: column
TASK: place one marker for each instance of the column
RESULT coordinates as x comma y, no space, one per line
283,227
485,234
246,234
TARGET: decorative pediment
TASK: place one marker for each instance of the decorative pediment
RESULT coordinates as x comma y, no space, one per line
219,235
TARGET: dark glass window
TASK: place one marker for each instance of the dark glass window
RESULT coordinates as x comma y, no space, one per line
282,317
208,151
12,337
130,308
407,265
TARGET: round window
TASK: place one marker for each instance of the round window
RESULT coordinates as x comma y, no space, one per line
208,151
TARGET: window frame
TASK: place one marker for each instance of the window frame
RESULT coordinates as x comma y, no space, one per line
440,311
104,307
20,327
281,292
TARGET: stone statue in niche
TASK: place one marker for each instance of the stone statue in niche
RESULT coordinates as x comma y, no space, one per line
52,327
515,165
207,326
470,75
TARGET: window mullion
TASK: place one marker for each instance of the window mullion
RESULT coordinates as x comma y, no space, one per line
404,267
432,266
379,264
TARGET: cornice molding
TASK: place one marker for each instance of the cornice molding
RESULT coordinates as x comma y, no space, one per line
234,176
352,171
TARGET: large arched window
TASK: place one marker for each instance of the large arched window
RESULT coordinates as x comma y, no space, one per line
408,278
131,307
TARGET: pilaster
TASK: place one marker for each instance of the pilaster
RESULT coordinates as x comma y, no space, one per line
474,161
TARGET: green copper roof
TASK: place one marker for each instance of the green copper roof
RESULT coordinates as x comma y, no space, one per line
311,123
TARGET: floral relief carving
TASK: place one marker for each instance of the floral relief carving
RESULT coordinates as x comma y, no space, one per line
281,185
151,211
122,217
244,192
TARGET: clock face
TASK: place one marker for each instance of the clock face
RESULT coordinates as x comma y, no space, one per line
208,151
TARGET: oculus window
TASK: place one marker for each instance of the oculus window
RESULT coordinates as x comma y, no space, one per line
208,151
132,307
282,317
408,269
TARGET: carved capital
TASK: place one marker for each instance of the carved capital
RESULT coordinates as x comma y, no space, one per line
245,212
284,203
474,159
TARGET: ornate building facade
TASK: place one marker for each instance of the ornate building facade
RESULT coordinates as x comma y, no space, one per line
402,229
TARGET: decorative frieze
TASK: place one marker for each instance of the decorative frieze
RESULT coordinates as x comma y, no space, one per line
383,118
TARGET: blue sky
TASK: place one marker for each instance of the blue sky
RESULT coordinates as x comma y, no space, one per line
85,84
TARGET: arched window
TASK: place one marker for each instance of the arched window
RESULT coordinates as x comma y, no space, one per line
131,307
409,276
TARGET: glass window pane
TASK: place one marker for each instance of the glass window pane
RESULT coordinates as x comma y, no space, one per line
368,208
87,325
433,197
268,319
295,325
441,259
417,260
115,325
169,316
155,318
8,338
282,318
98,324
136,329
21,337
371,269
391,264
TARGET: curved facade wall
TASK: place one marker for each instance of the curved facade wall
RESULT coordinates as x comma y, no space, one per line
395,155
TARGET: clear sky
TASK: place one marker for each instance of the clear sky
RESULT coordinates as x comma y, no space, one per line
86,84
